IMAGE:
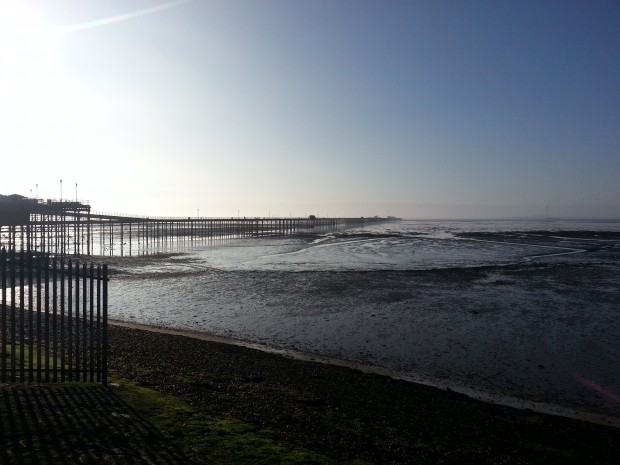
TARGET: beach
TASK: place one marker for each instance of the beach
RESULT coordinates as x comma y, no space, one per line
425,344
347,414
501,311
178,397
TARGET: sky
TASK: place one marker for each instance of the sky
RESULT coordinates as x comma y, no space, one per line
418,109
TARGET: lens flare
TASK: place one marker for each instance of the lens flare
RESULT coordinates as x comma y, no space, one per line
598,388
120,18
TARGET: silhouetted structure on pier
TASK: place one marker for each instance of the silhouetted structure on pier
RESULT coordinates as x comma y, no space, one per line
45,226
68,227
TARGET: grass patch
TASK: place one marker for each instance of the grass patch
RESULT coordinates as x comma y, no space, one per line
27,354
219,440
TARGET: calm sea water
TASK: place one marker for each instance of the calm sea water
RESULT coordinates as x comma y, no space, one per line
501,309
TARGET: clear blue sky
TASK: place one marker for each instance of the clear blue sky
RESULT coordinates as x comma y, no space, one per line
411,108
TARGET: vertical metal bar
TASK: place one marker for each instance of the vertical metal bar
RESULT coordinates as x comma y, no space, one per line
41,234
13,329
84,322
22,317
70,319
104,348
38,270
98,332
88,249
64,273
46,344
31,291
3,272
77,322
63,234
55,319
66,233
91,324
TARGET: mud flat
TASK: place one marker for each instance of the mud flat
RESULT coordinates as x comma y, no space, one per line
346,414
526,317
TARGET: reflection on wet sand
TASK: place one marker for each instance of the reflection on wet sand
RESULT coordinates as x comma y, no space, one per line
491,314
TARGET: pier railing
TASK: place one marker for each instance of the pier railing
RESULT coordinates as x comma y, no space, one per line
53,319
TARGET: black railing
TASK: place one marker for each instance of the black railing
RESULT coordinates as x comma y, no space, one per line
53,322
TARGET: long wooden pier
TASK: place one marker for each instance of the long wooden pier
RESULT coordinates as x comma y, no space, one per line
69,228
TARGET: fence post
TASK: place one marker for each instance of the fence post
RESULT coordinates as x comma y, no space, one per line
55,319
104,344
46,335
76,318
84,323
99,338
22,317
13,329
91,321
3,271
63,351
31,316
69,322
38,262
30,313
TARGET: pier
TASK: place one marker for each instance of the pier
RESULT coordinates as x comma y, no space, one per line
62,227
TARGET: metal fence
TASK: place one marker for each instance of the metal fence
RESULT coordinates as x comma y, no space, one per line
53,322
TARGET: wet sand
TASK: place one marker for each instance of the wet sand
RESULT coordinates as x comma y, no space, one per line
538,331
347,414
493,398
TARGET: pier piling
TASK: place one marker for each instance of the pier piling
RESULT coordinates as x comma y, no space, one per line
65,228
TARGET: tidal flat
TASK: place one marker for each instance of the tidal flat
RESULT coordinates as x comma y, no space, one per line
501,311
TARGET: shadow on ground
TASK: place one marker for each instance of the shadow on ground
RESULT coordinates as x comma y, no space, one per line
69,424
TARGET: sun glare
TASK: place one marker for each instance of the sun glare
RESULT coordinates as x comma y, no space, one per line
24,63
25,46
24,40
35,98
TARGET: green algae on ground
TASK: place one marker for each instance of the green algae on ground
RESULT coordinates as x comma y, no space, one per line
335,414
217,440
31,359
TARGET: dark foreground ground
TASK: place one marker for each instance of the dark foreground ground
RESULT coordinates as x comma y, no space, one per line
314,413
345,414
77,424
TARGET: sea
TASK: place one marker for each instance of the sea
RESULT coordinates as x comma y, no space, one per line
518,312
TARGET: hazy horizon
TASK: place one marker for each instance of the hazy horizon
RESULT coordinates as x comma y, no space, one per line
420,110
